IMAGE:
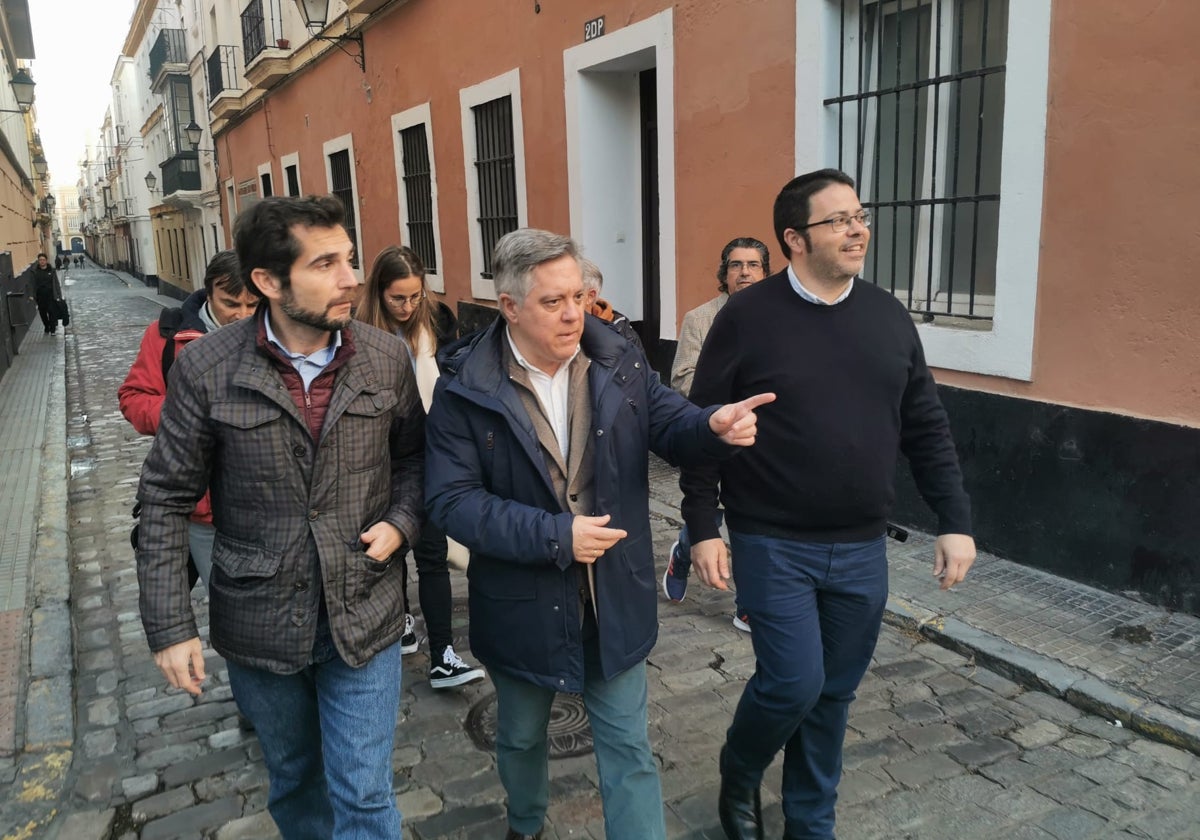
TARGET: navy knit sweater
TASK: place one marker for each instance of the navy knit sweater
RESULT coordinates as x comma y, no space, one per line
852,390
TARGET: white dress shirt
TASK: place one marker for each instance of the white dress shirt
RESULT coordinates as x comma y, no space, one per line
809,296
552,392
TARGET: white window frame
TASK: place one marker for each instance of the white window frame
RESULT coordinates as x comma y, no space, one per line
284,162
506,84
265,169
339,144
1007,349
404,120
231,198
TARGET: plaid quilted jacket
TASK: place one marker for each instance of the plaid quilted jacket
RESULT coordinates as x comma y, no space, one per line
288,509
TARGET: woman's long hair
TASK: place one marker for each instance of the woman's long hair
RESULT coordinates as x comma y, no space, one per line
397,263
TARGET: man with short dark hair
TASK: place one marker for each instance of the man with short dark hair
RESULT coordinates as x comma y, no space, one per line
47,293
539,437
310,434
223,300
807,505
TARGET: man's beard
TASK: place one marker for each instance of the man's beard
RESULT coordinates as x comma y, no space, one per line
316,320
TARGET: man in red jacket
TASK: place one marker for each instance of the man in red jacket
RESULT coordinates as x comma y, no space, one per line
223,300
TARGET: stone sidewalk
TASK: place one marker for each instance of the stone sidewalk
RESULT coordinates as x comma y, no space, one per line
940,746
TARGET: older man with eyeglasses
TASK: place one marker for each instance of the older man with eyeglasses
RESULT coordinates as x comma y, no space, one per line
807,505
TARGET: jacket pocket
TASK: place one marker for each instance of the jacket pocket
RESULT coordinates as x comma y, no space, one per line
363,429
245,561
374,578
252,437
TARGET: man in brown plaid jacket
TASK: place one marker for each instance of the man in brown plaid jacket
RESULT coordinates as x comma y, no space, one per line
310,435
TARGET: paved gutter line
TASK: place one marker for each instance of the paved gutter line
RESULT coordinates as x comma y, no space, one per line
1034,670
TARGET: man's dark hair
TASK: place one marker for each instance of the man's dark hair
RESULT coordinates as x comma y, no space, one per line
224,271
42,254
764,254
794,202
263,234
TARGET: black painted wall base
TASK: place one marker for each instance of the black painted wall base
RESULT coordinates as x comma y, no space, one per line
1101,498
168,289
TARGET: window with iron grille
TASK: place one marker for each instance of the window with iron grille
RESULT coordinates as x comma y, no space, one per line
496,168
418,193
342,186
919,113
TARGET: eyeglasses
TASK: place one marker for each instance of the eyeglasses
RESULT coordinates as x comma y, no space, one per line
401,301
738,265
840,224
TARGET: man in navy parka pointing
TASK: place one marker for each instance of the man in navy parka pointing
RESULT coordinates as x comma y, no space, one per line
537,461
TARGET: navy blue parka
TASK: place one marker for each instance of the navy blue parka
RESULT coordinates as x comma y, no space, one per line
488,487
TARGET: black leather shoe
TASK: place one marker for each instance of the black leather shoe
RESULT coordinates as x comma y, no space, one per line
512,835
741,811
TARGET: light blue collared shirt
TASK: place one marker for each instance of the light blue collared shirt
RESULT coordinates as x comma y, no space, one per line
798,287
311,366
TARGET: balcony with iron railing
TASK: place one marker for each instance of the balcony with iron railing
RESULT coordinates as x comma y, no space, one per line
180,173
265,47
224,82
167,56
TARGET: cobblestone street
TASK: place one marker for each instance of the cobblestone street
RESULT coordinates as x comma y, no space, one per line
939,747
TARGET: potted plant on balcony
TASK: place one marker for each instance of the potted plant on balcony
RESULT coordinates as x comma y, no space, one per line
282,43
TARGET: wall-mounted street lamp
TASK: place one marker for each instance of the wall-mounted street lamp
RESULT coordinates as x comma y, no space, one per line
151,182
194,133
22,86
39,165
316,17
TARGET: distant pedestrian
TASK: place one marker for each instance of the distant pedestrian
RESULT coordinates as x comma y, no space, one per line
309,433
47,293
58,263
807,505
397,300
539,437
223,300
744,261
79,261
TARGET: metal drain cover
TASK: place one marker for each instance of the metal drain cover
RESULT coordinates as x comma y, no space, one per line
568,731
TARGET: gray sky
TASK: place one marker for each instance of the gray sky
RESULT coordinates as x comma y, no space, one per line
77,43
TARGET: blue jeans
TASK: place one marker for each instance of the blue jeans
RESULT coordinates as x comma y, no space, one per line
326,735
816,610
629,787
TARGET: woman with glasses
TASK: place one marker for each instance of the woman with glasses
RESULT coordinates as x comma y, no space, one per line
397,300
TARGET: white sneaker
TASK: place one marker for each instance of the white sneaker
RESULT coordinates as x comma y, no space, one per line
408,642
452,671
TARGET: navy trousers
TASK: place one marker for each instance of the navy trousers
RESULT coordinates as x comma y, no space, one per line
816,610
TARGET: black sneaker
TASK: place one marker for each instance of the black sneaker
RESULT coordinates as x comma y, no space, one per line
451,671
408,642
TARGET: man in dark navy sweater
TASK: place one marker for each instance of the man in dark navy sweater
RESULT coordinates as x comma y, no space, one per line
807,505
